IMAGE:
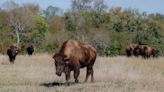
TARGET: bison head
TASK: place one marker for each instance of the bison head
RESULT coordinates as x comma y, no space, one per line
14,50
59,63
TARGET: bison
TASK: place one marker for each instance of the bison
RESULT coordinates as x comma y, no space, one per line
72,56
130,50
12,52
146,51
141,50
30,49
149,51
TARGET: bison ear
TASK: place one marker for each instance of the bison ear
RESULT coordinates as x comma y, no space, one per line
54,56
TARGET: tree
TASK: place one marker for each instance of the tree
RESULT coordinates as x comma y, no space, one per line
20,19
79,5
5,32
100,6
95,18
38,34
87,5
51,11
69,23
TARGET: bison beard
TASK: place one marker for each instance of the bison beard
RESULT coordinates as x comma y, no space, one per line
72,56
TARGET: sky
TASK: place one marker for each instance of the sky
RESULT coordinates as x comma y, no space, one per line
149,6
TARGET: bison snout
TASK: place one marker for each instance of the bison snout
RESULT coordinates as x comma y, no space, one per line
59,74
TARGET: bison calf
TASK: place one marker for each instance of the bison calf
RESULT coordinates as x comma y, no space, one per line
72,56
12,52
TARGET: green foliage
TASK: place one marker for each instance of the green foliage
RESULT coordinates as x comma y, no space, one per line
41,25
51,11
38,34
5,34
97,19
70,25
51,47
109,32
142,38
115,48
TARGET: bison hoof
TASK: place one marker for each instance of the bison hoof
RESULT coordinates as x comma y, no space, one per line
58,74
76,81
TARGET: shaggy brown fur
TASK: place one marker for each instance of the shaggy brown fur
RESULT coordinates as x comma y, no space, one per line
149,51
12,52
130,49
141,50
74,55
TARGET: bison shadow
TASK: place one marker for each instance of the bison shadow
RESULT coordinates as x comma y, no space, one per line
53,84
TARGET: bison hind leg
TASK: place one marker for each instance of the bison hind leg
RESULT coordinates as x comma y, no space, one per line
89,72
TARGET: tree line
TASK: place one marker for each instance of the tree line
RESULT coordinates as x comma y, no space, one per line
109,30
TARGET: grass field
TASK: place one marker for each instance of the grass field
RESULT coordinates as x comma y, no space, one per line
112,74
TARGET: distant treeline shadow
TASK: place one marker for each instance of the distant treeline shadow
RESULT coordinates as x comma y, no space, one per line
53,84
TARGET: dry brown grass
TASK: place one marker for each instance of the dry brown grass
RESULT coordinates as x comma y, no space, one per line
112,74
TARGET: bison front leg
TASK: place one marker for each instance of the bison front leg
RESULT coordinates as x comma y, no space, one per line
12,60
67,75
67,78
76,74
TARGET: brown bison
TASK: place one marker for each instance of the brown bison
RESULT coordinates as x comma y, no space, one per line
12,52
141,50
149,51
72,56
146,51
30,49
130,50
